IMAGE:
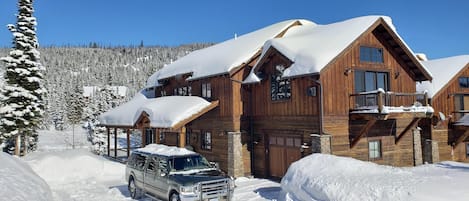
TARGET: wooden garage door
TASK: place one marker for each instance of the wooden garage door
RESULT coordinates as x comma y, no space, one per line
283,150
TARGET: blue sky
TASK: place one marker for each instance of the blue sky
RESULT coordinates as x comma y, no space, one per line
437,28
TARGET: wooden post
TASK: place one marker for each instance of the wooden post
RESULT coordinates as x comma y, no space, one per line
18,144
157,136
108,142
182,137
425,98
144,139
115,142
128,142
380,102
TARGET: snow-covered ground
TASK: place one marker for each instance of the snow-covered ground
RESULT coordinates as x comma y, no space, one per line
78,175
328,177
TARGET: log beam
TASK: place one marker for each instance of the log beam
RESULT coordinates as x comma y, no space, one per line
412,124
364,130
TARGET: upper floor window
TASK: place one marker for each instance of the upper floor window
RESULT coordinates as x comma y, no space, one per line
464,82
183,91
280,89
371,54
366,81
206,90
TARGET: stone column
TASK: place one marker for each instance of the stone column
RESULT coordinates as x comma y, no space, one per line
321,144
435,152
418,160
235,155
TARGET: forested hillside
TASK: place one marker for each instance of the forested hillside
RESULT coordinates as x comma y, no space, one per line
68,67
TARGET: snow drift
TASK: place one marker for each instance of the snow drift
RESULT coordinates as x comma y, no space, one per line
19,183
328,177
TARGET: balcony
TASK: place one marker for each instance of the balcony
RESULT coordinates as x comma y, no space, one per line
382,105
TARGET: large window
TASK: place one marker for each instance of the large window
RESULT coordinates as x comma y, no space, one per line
464,82
467,150
206,91
206,140
374,149
369,81
280,89
371,54
183,91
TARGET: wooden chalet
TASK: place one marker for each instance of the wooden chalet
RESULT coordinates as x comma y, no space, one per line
296,88
445,135
345,88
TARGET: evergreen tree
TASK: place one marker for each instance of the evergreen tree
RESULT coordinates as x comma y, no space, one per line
75,107
22,103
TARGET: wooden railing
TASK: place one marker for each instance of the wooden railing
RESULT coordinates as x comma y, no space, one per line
379,99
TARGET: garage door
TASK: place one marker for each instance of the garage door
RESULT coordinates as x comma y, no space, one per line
283,150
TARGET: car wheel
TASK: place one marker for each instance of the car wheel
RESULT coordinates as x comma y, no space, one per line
135,192
175,197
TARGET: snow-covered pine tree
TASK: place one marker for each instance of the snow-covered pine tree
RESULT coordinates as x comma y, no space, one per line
22,103
75,105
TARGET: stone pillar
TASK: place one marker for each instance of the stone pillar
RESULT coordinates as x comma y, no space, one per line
418,160
435,152
235,155
321,144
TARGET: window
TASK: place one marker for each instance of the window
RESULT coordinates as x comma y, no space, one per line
374,149
464,82
369,81
162,137
149,136
183,91
371,54
206,141
280,89
206,91
188,137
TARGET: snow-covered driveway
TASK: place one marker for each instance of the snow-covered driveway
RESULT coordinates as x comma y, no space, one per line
79,175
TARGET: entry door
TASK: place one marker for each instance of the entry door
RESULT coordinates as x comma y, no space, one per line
149,136
283,151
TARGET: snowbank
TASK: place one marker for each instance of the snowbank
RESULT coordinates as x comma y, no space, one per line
328,177
18,182
79,175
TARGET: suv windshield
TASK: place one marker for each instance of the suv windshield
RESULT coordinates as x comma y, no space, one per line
188,163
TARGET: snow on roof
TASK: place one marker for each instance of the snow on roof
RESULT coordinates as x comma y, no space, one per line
165,150
312,47
167,111
164,112
222,57
446,69
125,114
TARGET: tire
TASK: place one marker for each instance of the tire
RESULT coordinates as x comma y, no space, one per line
174,197
135,192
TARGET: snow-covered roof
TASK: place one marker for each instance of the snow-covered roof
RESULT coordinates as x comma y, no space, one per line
312,47
445,69
223,57
163,112
164,150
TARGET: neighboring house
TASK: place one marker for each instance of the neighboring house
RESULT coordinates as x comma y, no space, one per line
446,134
292,89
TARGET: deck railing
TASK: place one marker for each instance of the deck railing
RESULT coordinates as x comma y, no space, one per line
379,99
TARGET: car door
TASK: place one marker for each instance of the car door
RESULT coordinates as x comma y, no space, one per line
150,176
161,179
